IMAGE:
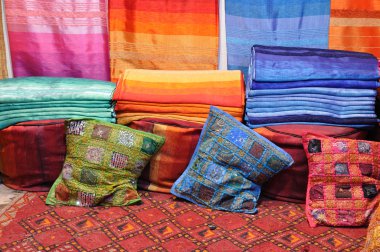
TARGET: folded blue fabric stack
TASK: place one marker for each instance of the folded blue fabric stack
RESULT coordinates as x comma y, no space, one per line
290,85
40,98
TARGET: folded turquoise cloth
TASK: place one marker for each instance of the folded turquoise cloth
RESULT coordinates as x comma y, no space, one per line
42,89
40,98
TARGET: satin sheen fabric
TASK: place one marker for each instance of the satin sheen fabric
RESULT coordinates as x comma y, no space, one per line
41,98
299,23
355,26
163,35
62,38
178,94
32,154
278,64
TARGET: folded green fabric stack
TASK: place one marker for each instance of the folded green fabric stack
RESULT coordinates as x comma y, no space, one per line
40,98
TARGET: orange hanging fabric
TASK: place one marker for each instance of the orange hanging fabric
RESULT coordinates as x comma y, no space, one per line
355,26
164,35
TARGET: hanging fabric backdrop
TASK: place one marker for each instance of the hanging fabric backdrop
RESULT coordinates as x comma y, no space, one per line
62,38
299,23
355,26
70,38
161,34
3,63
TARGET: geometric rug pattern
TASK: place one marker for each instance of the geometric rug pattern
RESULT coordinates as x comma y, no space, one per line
164,223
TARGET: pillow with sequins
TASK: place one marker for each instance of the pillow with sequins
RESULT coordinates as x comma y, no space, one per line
103,162
343,182
229,165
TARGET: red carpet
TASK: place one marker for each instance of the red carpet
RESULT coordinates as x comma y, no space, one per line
164,224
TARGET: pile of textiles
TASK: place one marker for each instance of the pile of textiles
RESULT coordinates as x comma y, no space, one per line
178,95
289,85
40,98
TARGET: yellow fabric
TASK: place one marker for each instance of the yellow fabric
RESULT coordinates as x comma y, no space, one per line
373,234
3,61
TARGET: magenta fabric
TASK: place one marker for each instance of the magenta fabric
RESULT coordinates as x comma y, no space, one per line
62,38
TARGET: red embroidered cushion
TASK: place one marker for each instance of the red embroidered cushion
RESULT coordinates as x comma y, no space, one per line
344,180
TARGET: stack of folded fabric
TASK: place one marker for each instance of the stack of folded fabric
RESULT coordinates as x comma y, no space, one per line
179,95
40,98
289,85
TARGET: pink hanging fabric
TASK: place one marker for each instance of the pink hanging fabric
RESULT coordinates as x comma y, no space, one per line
62,38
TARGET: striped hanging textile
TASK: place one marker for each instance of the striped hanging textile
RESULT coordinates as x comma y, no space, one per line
355,26
62,38
163,35
296,23
3,61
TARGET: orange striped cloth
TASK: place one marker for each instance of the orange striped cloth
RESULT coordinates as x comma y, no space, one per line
161,34
355,26
3,61
179,95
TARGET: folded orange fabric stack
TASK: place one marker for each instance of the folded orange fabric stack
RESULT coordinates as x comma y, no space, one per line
181,95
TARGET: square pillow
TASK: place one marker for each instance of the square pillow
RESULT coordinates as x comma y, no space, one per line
103,162
343,182
171,160
229,165
373,233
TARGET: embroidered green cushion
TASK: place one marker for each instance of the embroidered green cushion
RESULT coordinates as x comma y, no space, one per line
102,165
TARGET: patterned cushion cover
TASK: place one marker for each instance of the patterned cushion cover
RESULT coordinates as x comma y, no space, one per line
229,165
373,234
103,162
171,160
290,184
343,182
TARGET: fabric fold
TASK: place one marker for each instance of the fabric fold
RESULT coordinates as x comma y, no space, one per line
341,92
48,98
299,23
163,35
64,38
360,84
211,87
313,119
278,64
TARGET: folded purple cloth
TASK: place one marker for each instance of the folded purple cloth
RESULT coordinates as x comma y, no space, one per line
311,118
277,64
361,84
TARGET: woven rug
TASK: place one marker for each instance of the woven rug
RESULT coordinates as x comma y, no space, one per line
163,223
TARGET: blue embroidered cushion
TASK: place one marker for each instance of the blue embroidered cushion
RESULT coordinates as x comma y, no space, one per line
229,165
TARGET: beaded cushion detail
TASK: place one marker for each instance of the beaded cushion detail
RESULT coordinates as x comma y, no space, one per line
344,180
229,165
102,165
